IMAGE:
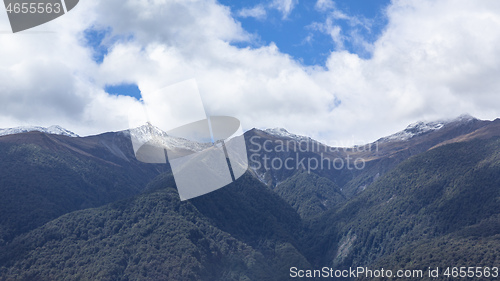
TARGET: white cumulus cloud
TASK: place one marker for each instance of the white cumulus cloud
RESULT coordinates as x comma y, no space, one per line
284,6
434,59
258,12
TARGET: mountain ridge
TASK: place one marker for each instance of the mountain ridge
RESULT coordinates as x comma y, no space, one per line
150,131
54,129
422,127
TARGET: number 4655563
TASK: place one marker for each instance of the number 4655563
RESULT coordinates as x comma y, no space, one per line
34,8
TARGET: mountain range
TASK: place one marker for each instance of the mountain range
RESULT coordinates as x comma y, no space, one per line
83,208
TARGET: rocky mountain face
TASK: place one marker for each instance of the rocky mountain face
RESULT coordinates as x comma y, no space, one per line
83,208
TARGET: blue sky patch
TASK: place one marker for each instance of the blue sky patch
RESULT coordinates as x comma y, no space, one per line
306,31
94,38
131,90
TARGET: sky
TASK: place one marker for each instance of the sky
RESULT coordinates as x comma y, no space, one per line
338,71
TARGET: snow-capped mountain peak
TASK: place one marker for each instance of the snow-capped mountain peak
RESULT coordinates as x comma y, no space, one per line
463,118
281,132
413,130
420,128
151,134
54,130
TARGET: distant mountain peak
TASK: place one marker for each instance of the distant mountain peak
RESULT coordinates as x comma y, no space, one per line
421,127
464,118
148,129
281,132
152,134
54,130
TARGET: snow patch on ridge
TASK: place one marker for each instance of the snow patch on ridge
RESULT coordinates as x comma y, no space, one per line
154,135
414,129
54,130
280,132
420,128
